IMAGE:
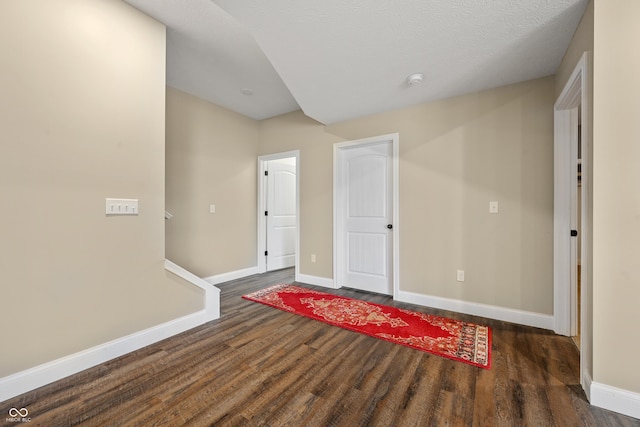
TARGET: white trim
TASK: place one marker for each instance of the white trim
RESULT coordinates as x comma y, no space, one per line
30,379
396,213
586,382
575,94
314,280
22,382
615,399
212,294
262,202
231,275
394,138
586,228
521,317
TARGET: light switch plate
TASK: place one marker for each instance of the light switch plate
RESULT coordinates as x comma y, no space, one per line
494,207
121,206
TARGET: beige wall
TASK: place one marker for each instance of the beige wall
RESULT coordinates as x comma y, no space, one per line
211,159
456,155
81,119
581,42
616,200
295,131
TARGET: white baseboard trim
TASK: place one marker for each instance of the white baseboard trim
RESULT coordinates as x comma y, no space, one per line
212,294
615,399
232,275
314,280
586,383
520,317
30,379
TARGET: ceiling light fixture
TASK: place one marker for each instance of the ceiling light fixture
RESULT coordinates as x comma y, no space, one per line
415,79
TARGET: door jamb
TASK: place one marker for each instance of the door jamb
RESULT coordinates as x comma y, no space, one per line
575,94
394,138
262,201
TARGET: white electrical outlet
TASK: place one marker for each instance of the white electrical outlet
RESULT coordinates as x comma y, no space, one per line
313,257
460,275
212,208
494,207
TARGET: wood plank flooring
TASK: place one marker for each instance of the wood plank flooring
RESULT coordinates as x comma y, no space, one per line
259,366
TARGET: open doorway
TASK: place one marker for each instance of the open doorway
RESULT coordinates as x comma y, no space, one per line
576,249
278,211
572,216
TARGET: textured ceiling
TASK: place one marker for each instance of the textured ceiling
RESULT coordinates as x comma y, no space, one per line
344,59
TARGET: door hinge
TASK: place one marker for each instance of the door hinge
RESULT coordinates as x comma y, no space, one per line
266,253
574,233
266,213
266,173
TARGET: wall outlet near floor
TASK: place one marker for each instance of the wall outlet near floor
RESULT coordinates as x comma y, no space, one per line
460,275
313,257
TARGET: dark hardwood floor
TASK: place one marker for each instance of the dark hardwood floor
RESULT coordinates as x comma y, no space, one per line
259,366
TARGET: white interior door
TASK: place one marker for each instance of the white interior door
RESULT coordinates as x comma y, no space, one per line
281,213
365,217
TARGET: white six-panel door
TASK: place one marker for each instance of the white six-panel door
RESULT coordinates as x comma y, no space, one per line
364,216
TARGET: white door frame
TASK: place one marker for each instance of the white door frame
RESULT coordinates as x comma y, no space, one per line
394,138
262,203
574,95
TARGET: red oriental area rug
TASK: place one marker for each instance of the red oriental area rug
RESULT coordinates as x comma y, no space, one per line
461,341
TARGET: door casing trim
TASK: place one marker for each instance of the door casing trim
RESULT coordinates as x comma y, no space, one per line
574,95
